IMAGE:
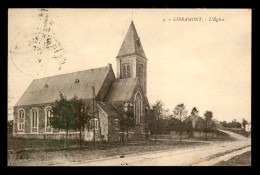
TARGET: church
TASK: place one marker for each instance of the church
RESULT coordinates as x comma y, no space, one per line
113,95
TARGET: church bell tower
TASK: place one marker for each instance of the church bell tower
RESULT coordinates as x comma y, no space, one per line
131,59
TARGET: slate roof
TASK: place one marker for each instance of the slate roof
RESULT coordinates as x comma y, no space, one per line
109,109
131,43
121,90
38,93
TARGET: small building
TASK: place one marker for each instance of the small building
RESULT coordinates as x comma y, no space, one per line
248,127
194,120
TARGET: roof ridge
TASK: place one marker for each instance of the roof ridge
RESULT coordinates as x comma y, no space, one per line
36,93
70,73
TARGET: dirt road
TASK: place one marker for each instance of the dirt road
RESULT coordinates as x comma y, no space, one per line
206,155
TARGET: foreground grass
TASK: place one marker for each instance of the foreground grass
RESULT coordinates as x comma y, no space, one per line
16,143
89,151
240,160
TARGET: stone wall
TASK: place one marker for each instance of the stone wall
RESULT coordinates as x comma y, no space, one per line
103,124
27,124
49,136
88,134
113,129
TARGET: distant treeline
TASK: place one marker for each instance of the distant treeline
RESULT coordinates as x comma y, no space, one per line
233,124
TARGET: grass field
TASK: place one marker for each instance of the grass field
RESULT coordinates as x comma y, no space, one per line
239,131
52,152
221,136
240,160
15,143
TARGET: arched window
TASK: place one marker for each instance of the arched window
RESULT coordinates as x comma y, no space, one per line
48,116
21,113
126,71
141,74
138,108
21,118
34,121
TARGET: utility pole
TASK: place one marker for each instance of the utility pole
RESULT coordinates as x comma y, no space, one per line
93,127
99,127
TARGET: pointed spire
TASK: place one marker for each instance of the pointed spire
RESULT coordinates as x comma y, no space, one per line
131,43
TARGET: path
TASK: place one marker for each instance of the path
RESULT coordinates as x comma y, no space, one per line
205,155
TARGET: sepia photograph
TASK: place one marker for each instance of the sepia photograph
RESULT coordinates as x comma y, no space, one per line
129,87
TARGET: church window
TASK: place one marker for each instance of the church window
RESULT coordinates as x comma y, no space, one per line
141,71
34,117
126,71
141,74
21,126
21,116
48,116
138,108
21,113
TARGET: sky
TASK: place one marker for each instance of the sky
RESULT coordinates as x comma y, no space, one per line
203,64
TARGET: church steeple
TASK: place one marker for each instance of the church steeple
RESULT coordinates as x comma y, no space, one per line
131,59
131,43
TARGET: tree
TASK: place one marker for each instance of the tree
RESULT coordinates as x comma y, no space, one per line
63,115
200,125
213,127
82,117
151,122
189,122
188,127
181,113
173,124
157,111
224,124
194,112
208,119
127,120
233,124
236,124
10,127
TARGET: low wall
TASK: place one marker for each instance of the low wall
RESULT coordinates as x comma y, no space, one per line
61,136
195,134
176,135
133,136
58,136
199,134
